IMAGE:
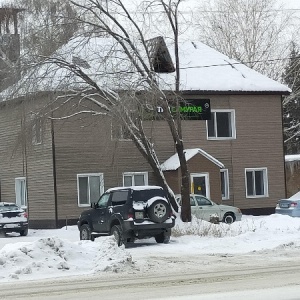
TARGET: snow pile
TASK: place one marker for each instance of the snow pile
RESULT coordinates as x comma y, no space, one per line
269,224
250,235
52,257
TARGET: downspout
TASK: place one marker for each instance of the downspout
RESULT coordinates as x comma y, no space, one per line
24,154
54,173
284,170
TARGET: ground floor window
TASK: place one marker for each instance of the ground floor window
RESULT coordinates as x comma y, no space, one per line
225,184
135,178
21,191
256,182
89,188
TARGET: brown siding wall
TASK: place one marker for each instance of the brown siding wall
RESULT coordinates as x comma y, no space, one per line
84,145
258,144
20,158
12,156
198,164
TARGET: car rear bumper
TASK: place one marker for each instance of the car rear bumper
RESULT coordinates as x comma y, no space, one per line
13,227
292,212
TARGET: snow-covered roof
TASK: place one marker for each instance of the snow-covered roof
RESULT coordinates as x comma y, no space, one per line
203,69
206,69
292,157
173,163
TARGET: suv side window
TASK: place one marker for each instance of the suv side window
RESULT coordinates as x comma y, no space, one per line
119,197
103,200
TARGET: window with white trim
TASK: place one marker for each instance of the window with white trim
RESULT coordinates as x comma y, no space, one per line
221,125
89,188
21,191
256,182
135,178
225,184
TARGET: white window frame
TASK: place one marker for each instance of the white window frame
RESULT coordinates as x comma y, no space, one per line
21,202
101,188
226,179
233,125
265,181
135,173
207,183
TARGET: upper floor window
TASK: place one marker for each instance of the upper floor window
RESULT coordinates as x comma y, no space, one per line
221,125
225,184
89,188
36,130
21,191
256,182
135,178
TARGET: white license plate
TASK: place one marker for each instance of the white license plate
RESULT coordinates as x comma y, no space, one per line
139,215
284,206
11,226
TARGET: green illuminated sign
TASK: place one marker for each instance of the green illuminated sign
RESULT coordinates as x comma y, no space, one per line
198,109
188,109
191,109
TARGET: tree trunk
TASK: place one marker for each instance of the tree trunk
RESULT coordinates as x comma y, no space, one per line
185,185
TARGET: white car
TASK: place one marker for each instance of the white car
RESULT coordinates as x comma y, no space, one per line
290,206
206,209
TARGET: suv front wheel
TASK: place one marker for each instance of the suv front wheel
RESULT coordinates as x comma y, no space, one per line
86,233
117,232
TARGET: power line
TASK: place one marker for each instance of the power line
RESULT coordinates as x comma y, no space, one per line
242,63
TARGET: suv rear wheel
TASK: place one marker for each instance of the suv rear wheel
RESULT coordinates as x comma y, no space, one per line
86,233
163,237
159,211
24,232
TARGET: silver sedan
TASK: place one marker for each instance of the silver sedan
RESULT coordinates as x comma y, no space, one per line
206,209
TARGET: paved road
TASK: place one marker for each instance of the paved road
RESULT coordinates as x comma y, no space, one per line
276,282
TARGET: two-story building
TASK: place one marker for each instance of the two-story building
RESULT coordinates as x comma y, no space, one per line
57,167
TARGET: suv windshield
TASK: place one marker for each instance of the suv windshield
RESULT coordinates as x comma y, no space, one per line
145,195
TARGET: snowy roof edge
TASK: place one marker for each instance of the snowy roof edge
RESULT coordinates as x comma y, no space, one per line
292,157
172,163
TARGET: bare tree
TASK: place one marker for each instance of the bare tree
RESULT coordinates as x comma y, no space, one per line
47,29
124,80
255,32
291,103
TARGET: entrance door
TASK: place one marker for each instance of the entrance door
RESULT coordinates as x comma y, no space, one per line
200,184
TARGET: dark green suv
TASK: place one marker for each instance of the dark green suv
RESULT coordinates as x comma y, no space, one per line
129,213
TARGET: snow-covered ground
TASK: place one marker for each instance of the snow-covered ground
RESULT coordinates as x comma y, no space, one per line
56,253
